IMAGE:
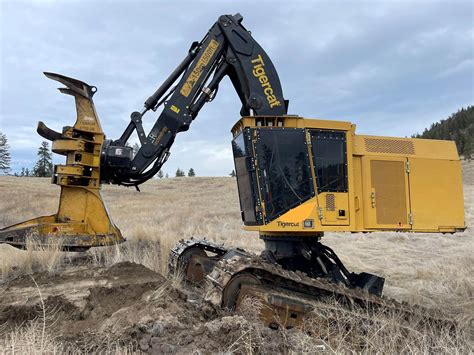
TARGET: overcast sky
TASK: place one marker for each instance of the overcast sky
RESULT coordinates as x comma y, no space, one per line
391,67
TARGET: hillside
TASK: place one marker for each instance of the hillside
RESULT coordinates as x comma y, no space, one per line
459,127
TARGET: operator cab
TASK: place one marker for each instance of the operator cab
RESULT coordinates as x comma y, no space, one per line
280,165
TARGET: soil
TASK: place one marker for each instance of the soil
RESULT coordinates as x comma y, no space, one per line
89,306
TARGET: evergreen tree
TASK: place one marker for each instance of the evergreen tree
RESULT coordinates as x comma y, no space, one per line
232,173
167,176
468,149
180,173
27,172
160,174
23,172
4,154
44,165
191,173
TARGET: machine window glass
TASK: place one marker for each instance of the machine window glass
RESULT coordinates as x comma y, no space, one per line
284,169
244,179
330,160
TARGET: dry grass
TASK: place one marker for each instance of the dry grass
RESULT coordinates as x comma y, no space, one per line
36,258
340,330
433,270
331,328
165,210
30,339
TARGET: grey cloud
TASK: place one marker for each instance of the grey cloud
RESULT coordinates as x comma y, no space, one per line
390,67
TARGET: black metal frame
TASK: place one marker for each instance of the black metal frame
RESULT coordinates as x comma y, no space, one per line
228,49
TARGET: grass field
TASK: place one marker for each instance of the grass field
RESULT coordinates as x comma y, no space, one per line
433,270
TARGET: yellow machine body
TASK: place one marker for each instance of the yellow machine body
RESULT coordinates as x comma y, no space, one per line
393,184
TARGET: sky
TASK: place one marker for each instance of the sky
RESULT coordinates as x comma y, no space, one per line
391,67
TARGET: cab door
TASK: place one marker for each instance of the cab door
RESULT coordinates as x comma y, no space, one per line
329,153
386,193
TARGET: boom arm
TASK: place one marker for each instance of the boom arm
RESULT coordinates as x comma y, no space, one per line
227,49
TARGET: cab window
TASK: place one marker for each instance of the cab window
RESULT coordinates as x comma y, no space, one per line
284,169
330,160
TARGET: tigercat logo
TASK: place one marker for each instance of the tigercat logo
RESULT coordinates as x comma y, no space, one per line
288,224
259,72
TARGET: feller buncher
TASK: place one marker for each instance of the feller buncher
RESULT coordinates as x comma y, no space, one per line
297,178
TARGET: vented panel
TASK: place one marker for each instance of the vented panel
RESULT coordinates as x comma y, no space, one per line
388,181
397,146
330,202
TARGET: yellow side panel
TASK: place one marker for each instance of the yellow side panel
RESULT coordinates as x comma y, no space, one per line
293,220
388,182
335,208
436,194
395,146
386,196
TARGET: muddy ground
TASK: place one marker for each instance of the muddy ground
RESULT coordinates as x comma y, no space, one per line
126,307
90,307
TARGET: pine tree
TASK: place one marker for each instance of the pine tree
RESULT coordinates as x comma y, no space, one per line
179,173
232,173
191,173
4,154
469,149
27,172
167,176
160,174
44,165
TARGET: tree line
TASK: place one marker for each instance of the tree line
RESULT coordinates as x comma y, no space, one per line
42,168
44,165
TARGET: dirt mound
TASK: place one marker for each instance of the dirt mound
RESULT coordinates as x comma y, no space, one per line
127,303
79,300
86,309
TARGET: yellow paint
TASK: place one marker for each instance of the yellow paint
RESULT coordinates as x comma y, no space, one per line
330,210
82,219
174,109
393,184
199,68
436,194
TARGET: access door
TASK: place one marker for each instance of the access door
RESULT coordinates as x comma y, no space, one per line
329,152
386,193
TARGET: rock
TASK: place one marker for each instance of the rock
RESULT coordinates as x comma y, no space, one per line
157,329
158,347
143,344
188,339
167,348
